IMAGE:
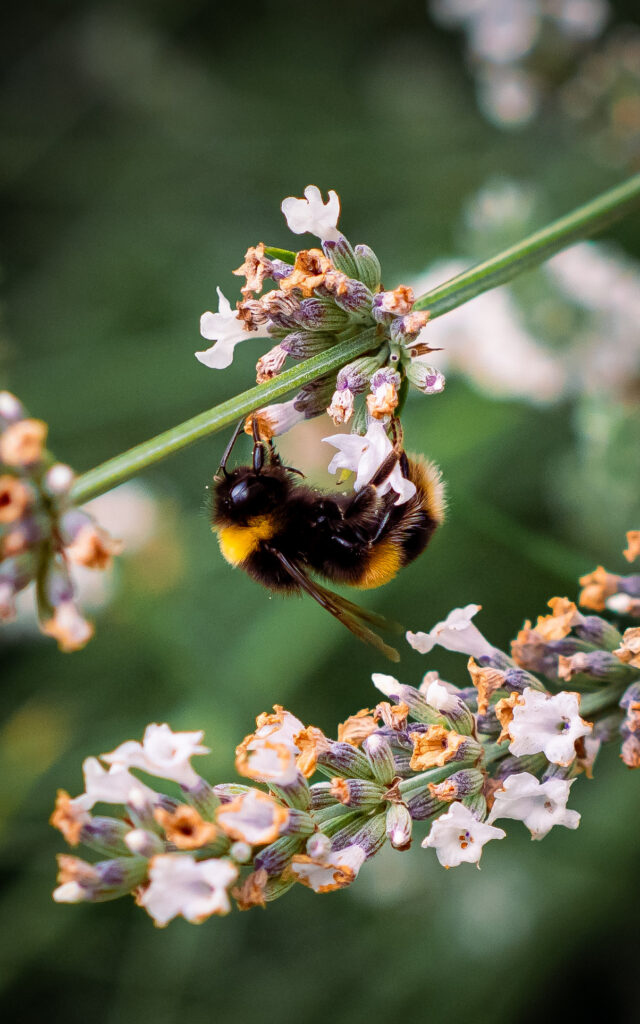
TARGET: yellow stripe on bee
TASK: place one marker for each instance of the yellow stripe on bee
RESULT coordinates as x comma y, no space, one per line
381,565
238,542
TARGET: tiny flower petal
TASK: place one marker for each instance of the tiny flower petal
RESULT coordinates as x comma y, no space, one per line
226,329
455,633
115,786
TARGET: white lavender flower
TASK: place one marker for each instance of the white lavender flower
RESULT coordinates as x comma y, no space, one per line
162,752
540,805
312,215
181,886
363,455
458,836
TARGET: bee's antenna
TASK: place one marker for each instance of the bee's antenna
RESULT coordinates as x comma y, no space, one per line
222,468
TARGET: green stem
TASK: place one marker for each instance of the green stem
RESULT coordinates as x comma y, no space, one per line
585,221
122,467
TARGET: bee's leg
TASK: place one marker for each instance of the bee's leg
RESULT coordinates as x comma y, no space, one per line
222,468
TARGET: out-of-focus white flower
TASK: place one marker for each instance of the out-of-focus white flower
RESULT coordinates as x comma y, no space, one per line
182,886
311,214
69,627
456,633
458,836
540,805
328,871
226,329
115,786
508,96
253,818
486,340
364,456
548,725
163,753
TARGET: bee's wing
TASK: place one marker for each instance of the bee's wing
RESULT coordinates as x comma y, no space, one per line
349,614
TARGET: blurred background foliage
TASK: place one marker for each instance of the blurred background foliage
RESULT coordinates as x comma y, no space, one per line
144,147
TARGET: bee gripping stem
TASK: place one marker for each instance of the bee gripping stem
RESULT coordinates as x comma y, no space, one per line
581,223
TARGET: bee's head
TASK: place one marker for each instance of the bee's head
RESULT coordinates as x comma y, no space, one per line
245,493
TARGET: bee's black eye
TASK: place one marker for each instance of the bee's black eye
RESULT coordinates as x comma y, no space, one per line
241,492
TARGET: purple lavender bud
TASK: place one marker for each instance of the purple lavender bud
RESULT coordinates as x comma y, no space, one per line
356,376
423,806
380,756
360,793
105,835
299,823
599,632
275,857
414,700
398,826
228,791
488,725
368,267
202,797
354,297
606,729
510,765
344,760
296,794
321,796
388,306
58,587
405,329
464,783
282,309
114,878
317,314
402,764
496,660
426,378
342,256
304,344
278,270
386,375
629,585
630,696
19,571
314,397
557,771
519,679
71,523
370,837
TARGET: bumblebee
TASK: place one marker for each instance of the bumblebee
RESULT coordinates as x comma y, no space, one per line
280,530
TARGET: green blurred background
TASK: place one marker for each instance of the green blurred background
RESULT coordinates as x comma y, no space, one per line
144,147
